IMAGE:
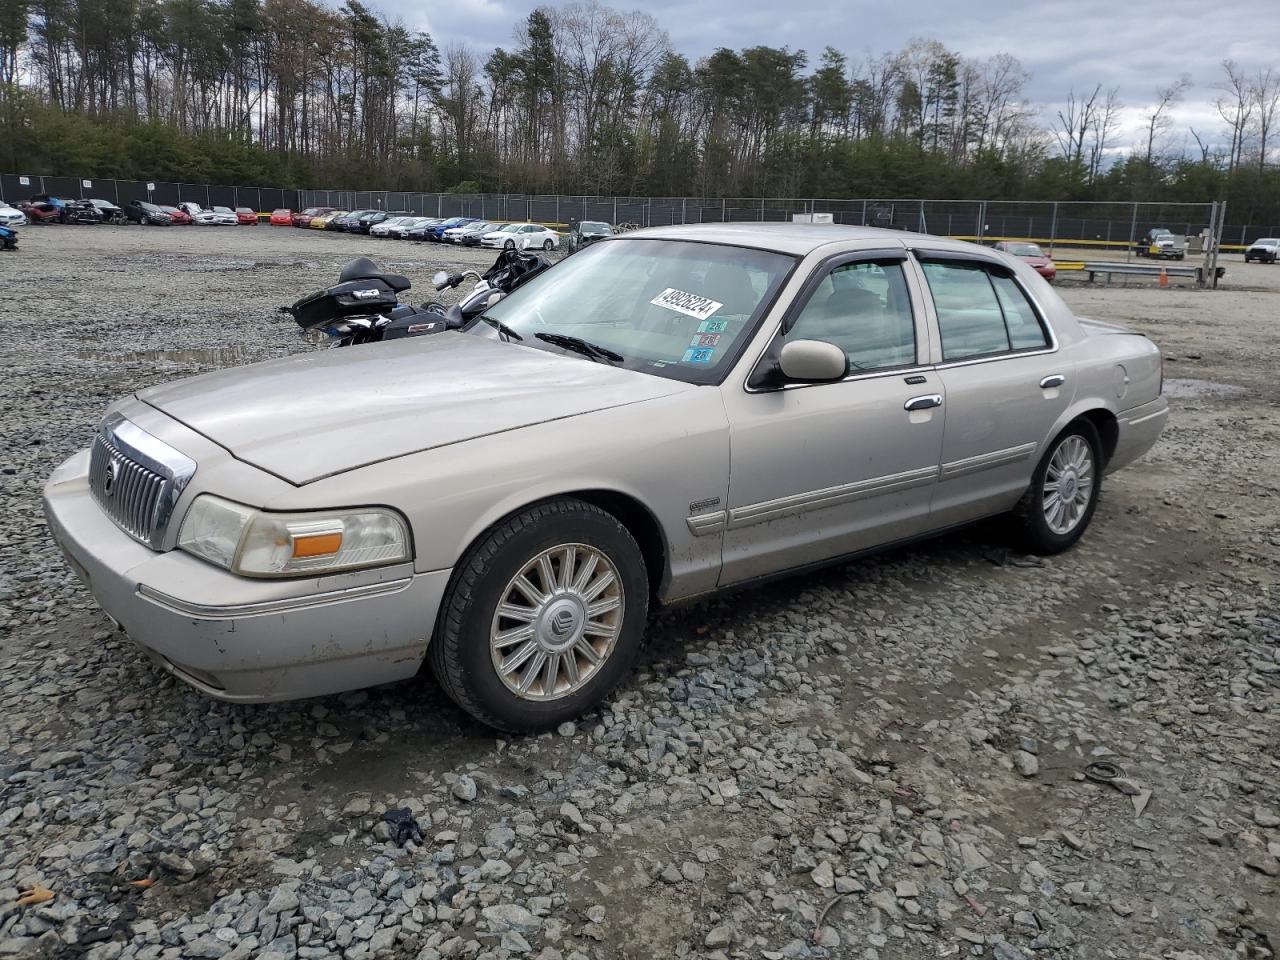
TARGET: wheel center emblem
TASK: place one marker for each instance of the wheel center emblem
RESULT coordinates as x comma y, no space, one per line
562,623
109,480
1067,486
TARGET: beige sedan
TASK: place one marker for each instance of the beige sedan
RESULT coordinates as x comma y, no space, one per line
662,415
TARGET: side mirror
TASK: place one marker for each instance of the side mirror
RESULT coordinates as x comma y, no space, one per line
812,361
440,278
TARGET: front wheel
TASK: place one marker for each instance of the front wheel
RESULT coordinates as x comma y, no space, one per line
1057,508
544,616
509,245
547,245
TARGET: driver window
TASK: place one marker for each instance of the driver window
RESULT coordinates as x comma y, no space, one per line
863,308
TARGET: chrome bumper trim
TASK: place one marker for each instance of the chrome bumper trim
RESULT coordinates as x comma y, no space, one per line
205,611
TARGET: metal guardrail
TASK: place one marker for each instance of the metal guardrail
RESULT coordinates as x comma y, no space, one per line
1143,270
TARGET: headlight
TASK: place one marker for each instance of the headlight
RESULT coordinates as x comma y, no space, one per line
257,543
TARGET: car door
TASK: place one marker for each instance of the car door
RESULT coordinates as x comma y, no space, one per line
1005,380
821,470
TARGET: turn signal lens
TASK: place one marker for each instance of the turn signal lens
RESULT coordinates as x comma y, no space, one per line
316,545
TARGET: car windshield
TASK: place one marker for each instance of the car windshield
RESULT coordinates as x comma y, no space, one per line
509,228
165,209
1267,242
672,308
1023,250
594,226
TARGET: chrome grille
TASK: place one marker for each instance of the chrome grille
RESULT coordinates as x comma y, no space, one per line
136,479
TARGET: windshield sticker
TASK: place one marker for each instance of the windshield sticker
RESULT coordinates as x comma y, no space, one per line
705,340
712,326
690,304
698,355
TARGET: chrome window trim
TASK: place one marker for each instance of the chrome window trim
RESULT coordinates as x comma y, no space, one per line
921,254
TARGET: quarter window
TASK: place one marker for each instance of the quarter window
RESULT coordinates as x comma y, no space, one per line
981,312
864,309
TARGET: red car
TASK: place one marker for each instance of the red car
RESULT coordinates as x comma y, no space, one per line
282,217
246,217
303,219
1032,255
179,217
40,211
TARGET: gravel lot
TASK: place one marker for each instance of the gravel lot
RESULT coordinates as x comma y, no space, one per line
882,760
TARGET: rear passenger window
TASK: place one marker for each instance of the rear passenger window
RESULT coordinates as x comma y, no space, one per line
1025,331
981,312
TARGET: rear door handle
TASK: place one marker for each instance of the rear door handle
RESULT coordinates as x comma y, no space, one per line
1053,380
924,403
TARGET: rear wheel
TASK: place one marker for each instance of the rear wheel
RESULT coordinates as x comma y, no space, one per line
509,245
544,616
547,245
1058,506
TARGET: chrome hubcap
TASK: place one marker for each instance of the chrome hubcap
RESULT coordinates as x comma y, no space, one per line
1068,485
557,622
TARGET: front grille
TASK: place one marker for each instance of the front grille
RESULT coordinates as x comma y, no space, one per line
127,491
136,479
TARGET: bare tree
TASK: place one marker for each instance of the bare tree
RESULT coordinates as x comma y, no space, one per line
1235,106
1158,120
1266,99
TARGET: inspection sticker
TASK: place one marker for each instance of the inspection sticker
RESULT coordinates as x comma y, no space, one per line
698,355
690,304
712,326
705,340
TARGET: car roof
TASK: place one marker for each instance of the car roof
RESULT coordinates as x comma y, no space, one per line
797,239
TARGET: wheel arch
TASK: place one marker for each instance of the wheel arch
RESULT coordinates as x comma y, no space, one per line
638,519
1099,415
1104,421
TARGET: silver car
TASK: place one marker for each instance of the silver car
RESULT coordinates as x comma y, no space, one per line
664,414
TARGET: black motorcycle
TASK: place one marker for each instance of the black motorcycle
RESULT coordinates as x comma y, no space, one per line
365,306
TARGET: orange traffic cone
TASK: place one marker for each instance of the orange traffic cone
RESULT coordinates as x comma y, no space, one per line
1164,277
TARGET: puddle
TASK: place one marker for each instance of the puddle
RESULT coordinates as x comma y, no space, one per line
1202,390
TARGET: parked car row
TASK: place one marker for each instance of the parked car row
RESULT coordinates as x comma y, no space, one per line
402,225
48,209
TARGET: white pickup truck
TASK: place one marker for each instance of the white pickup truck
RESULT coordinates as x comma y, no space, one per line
1161,244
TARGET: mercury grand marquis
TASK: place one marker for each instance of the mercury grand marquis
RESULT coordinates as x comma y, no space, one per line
662,415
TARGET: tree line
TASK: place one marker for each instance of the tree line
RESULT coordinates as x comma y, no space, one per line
586,99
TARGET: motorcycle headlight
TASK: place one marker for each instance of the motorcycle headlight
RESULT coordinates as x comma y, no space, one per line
259,543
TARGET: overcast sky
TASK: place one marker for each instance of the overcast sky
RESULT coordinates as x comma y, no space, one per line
1135,46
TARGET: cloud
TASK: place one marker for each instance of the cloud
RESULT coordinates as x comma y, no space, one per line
1136,47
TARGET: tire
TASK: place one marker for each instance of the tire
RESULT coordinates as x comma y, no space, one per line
467,666
509,245
1038,534
547,245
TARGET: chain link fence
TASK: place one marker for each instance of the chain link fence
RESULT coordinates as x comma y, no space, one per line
1077,225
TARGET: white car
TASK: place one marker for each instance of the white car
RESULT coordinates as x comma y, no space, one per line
214,217
11,216
384,228
522,236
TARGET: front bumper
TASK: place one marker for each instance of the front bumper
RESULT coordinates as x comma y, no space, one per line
1139,429
240,639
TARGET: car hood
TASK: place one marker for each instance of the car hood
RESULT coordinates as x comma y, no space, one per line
1037,261
313,415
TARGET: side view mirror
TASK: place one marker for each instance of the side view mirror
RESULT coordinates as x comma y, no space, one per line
440,278
812,361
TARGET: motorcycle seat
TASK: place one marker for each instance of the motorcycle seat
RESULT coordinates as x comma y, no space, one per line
362,268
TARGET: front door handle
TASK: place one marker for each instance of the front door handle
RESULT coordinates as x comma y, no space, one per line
1053,380
924,403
